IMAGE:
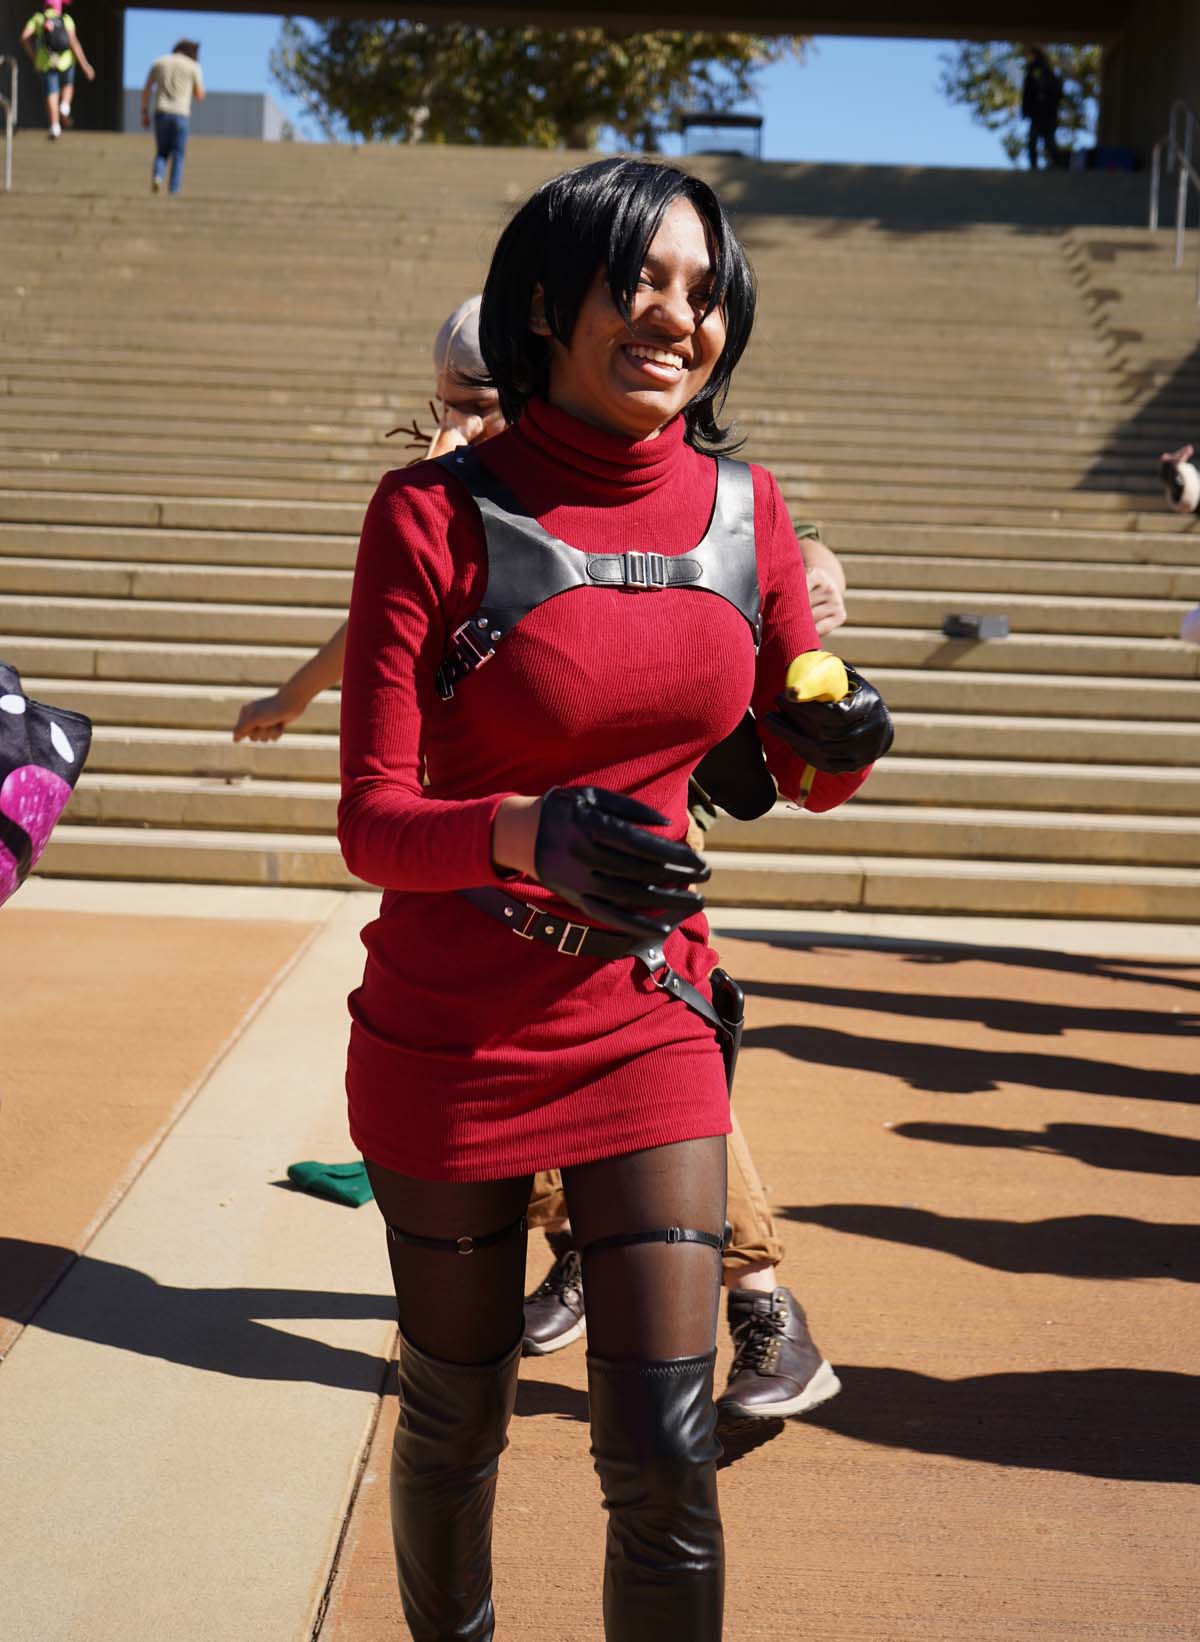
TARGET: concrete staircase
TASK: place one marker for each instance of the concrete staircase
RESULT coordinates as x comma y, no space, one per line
193,399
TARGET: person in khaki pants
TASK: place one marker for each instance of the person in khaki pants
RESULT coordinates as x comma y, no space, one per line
778,1370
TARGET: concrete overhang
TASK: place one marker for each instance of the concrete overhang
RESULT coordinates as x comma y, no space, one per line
1055,20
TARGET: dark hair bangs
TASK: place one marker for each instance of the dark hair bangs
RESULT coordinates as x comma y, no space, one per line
605,214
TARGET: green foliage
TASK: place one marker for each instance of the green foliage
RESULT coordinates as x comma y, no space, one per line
987,77
527,87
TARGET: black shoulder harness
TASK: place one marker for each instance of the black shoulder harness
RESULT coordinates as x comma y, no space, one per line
526,565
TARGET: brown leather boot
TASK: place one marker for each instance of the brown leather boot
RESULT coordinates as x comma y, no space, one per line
778,1368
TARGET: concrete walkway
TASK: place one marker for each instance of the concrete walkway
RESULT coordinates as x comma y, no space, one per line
984,1158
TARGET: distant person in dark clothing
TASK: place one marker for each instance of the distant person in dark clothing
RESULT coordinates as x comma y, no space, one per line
174,79
1041,94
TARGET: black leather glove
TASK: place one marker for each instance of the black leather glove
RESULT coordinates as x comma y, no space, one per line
836,736
594,852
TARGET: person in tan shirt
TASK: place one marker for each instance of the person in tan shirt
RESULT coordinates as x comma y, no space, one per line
174,80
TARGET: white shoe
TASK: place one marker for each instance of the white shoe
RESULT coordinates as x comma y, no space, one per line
55,133
156,185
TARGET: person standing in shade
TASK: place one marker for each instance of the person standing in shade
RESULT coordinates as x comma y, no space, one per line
1041,94
174,80
53,47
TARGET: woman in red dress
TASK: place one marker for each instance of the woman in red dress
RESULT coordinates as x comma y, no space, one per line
536,989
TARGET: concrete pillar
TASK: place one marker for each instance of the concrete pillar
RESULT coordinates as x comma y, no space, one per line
102,29
1156,60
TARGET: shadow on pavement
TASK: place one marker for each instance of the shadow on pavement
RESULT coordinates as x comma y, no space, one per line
998,1014
1135,1425
949,1069
1184,975
220,1330
536,1397
1081,1245
1098,1145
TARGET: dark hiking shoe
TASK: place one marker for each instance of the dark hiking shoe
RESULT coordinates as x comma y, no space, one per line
554,1311
777,1368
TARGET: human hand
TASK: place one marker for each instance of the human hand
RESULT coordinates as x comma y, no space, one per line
145,119
266,719
89,71
826,600
1183,454
465,424
593,851
836,736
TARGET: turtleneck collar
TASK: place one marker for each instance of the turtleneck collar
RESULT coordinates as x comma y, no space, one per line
608,461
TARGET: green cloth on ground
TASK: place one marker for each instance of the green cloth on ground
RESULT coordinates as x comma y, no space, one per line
339,1182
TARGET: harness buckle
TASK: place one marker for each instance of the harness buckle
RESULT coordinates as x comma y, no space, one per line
578,932
525,929
466,1245
644,569
471,644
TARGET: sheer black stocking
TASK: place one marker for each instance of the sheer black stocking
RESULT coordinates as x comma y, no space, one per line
650,1300
462,1308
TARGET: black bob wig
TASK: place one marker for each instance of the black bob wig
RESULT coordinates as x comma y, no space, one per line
604,215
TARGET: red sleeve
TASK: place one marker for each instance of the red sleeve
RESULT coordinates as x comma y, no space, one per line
405,582
788,631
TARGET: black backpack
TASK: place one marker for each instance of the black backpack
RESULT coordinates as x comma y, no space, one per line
56,36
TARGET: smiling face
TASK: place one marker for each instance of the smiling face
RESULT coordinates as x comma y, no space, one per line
631,376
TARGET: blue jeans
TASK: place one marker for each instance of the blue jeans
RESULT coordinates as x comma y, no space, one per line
170,141
58,79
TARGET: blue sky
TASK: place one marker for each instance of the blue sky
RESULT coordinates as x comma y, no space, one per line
850,100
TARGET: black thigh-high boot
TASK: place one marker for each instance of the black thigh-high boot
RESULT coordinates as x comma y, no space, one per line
450,1434
655,1447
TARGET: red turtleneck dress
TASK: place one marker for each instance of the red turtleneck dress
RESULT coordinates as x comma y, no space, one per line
474,1054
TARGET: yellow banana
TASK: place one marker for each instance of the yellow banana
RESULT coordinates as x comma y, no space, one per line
817,675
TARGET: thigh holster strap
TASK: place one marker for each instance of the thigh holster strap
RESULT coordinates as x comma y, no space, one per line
665,1234
455,1245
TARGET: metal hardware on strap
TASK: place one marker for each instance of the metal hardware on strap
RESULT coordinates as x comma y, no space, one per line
666,1234
456,1245
471,644
644,569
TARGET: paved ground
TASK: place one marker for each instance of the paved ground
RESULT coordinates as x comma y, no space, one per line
984,1155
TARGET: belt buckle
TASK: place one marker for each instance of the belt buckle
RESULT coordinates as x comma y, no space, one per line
579,932
525,930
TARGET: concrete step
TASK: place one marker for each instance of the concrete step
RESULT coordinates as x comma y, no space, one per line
245,804
166,707
1166,540
211,584
1071,741
902,778
881,884
128,544
1045,613
84,633
1024,577
960,832
185,729
1132,616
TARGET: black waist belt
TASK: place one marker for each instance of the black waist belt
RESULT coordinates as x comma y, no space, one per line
585,940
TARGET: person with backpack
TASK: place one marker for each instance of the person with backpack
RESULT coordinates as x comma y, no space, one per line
174,80
53,47
547,634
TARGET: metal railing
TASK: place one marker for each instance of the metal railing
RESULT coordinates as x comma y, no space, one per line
1182,146
9,105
